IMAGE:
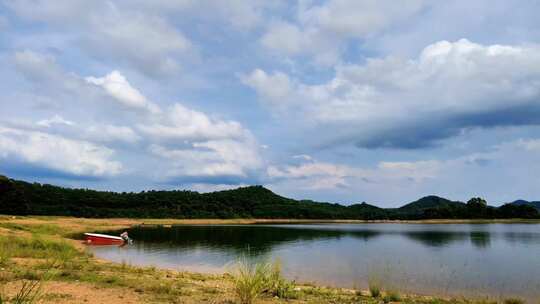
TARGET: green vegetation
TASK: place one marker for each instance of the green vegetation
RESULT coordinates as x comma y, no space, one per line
35,247
374,288
22,198
527,203
252,280
249,280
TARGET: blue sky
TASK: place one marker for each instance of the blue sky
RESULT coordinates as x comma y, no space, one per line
339,100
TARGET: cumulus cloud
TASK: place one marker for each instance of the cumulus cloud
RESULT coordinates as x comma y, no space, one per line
116,85
190,145
201,148
79,158
393,102
313,175
215,161
275,88
181,123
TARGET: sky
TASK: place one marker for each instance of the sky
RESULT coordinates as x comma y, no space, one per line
346,101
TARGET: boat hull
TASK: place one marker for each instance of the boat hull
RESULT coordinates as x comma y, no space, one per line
102,239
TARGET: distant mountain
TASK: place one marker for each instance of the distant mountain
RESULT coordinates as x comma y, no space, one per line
23,198
428,202
535,204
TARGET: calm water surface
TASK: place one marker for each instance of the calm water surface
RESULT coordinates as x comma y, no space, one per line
446,259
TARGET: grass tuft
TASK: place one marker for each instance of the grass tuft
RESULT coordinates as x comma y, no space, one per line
30,292
374,287
250,280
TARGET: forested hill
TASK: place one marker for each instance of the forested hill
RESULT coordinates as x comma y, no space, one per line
22,198
524,202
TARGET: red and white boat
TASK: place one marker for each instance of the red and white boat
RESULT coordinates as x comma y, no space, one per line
103,239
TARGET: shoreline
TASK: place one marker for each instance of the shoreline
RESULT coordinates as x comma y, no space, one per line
81,272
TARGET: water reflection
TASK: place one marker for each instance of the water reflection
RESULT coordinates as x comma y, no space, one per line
480,239
455,259
261,239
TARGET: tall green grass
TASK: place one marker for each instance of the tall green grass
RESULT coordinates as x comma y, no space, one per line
249,280
252,279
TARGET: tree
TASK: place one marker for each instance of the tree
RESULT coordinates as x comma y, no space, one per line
477,201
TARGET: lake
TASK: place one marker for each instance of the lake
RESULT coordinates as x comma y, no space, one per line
444,259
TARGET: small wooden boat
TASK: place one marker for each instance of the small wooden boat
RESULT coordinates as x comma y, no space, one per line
103,239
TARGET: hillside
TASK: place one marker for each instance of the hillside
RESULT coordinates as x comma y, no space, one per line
23,198
535,204
428,202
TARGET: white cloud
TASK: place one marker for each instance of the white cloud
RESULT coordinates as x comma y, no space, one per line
56,119
323,30
303,156
199,148
110,30
116,85
276,87
181,123
313,175
57,153
215,158
447,88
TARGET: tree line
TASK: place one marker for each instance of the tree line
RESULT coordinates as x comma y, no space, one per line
23,198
